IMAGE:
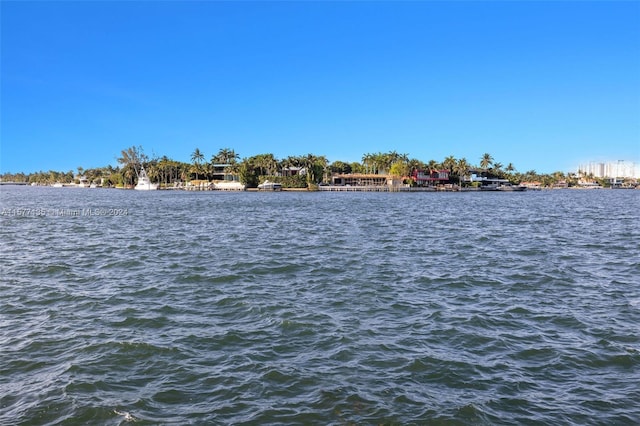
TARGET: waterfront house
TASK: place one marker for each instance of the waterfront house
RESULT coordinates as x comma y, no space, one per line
220,172
293,171
430,177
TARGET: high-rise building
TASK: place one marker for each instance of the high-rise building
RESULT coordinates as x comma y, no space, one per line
611,169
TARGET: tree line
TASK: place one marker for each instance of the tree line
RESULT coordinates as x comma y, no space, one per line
253,170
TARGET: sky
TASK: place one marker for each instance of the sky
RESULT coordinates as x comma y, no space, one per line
544,85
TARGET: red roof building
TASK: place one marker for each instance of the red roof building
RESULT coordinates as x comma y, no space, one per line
430,177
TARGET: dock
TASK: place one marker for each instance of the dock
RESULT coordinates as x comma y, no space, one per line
382,188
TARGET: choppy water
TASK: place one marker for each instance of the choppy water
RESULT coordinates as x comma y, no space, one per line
319,308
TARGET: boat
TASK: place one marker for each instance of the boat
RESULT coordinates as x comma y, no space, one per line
494,184
510,187
83,182
228,186
270,186
144,183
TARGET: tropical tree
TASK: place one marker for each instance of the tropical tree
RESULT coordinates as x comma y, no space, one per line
315,167
461,169
132,156
265,164
510,169
196,158
128,173
357,167
399,168
415,164
433,166
131,159
449,163
497,169
486,160
340,167
248,172
169,170
386,160
225,156
368,161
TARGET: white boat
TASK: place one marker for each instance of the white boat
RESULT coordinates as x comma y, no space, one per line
144,183
494,184
228,186
270,186
83,182
510,187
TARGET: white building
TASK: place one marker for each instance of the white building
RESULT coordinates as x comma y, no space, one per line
611,169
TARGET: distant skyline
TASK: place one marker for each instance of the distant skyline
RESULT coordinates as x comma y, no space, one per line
544,85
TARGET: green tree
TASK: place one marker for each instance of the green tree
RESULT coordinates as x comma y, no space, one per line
267,164
368,161
461,169
196,158
340,167
433,166
357,167
399,168
248,173
510,173
315,167
449,163
225,156
415,164
132,160
486,161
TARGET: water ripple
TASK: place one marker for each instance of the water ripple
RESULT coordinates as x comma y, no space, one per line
321,308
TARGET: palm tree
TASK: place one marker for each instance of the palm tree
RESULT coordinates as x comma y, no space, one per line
367,162
433,166
357,167
315,167
510,168
449,163
461,168
486,161
340,167
415,164
225,156
497,169
265,163
197,157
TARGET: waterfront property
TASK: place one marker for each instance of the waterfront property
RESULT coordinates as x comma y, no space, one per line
220,172
430,177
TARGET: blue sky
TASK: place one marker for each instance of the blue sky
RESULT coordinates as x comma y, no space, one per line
543,85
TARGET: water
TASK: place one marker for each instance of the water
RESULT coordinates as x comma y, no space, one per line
122,307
